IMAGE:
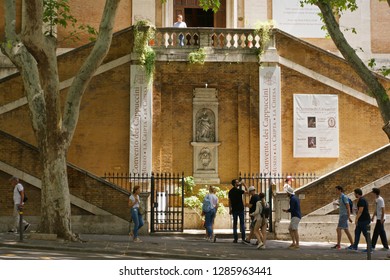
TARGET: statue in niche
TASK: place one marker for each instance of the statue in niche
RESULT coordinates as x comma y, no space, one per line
205,126
205,157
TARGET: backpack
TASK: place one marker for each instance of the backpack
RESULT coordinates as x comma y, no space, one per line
207,206
350,203
266,210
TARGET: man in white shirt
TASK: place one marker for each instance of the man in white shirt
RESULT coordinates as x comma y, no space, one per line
181,24
18,198
379,229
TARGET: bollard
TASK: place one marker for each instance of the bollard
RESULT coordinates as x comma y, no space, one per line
21,229
368,239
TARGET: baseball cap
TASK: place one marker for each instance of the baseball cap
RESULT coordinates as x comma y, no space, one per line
251,188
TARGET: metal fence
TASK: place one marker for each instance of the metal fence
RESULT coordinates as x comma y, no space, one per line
166,197
268,183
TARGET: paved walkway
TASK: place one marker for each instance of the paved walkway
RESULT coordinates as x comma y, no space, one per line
190,245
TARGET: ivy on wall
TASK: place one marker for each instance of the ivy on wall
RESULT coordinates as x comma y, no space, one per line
144,32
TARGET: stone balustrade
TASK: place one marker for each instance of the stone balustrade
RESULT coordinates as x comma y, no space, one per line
217,38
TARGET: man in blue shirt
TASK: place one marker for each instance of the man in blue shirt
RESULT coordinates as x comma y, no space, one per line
295,210
344,216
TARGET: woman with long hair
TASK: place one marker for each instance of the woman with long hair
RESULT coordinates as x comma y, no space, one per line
134,204
260,228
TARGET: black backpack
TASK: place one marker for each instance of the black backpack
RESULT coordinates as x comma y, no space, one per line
266,210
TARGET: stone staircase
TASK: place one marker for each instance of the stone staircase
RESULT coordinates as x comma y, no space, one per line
320,223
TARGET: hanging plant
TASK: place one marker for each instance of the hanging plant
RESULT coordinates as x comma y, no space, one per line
197,57
144,31
263,30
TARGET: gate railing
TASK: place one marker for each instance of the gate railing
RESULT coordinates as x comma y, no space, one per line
268,183
166,197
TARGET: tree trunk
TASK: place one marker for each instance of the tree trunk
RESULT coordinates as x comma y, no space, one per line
367,76
55,200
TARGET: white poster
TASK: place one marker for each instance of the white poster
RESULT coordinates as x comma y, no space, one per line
140,122
303,22
316,126
270,124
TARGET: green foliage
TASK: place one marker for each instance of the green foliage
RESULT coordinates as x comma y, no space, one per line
210,4
263,30
144,31
197,57
385,71
206,4
58,13
195,202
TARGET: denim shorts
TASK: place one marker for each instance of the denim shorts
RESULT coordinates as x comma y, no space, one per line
343,222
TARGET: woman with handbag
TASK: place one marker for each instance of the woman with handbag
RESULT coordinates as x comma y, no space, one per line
136,215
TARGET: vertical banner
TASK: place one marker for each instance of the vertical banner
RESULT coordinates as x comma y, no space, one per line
140,122
270,123
316,128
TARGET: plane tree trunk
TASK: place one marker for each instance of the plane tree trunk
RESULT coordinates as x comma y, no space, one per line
34,54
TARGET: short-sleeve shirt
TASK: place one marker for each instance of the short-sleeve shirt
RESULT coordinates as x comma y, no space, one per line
380,203
365,216
295,207
213,199
343,204
235,197
254,199
18,188
132,198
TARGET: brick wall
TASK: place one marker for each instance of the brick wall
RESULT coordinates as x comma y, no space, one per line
81,183
355,175
101,140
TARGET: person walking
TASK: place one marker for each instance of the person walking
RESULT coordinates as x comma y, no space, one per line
136,215
254,198
379,212
236,208
261,222
18,198
362,219
344,216
295,210
210,206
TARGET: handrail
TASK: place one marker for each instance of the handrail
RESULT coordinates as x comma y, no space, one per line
217,38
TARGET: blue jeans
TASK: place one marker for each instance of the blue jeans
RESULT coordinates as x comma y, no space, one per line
137,220
360,227
236,215
209,222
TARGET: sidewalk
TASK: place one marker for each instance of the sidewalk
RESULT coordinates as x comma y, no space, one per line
190,245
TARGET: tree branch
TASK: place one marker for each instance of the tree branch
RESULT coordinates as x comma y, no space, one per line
87,70
375,87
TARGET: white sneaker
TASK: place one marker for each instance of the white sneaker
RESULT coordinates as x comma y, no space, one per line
137,240
261,244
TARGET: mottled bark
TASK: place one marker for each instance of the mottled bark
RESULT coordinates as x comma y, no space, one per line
34,54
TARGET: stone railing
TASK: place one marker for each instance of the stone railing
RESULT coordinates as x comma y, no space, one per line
193,38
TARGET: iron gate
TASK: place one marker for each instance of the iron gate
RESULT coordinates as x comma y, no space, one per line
167,203
166,197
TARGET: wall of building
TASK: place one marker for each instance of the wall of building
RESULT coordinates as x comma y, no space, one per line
101,141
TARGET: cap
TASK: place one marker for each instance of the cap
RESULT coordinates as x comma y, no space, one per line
290,190
251,188
288,178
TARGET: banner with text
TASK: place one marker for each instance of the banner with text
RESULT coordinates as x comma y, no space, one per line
270,124
316,128
303,22
140,122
